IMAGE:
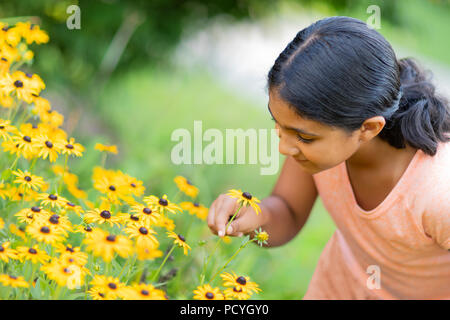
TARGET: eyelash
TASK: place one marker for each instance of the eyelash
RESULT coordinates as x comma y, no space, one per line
299,138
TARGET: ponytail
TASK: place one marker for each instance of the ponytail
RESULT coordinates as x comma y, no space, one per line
423,117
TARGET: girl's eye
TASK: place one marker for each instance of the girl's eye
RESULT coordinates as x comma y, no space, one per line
304,140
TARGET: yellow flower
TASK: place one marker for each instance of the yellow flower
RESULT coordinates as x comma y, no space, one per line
105,148
28,180
112,287
5,129
241,282
142,291
143,233
206,292
26,145
136,187
109,183
245,199
7,253
2,223
186,186
261,237
71,148
146,214
63,274
105,245
148,253
53,200
180,241
98,293
32,33
236,293
102,215
34,254
166,222
71,255
161,204
13,281
27,215
60,223
195,208
18,231
48,147
44,232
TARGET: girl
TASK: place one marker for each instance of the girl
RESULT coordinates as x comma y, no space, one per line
367,133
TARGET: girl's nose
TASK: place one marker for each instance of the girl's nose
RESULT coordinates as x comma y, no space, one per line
286,147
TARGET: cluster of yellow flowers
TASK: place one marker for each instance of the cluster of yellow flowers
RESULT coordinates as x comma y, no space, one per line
52,237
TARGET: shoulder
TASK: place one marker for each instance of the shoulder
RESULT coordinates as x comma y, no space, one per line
436,214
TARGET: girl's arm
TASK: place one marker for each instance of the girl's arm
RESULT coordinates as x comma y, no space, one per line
282,215
286,210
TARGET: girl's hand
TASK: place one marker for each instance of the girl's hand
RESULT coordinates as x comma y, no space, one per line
221,211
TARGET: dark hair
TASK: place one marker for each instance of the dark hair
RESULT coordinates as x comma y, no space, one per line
340,72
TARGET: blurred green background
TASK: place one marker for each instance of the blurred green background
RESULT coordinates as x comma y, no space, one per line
114,80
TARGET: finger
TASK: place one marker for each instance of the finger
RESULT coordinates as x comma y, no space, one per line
227,209
242,224
212,214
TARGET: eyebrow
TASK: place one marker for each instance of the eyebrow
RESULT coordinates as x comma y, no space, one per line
290,128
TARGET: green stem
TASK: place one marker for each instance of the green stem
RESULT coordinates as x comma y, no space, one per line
202,276
62,176
162,264
229,260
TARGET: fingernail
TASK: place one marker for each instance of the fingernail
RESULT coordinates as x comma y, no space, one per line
230,229
221,233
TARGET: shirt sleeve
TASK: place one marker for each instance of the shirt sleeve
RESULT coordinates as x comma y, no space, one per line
436,224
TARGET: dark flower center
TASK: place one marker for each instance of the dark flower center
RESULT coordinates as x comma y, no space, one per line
13,277
111,238
101,294
145,292
2,249
45,229
35,209
88,229
209,295
247,195
53,197
147,210
241,280
29,75
27,178
26,139
133,217
181,238
70,204
4,59
133,185
143,230
188,182
196,204
70,249
237,290
32,251
2,127
69,146
112,286
105,214
54,219
163,202
49,144
18,84
112,188
66,270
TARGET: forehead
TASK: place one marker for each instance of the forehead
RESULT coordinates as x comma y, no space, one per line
286,116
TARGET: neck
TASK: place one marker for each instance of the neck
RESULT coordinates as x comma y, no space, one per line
378,153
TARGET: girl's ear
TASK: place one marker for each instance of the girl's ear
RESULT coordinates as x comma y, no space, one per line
371,128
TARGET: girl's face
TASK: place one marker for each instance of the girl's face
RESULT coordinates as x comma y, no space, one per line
315,146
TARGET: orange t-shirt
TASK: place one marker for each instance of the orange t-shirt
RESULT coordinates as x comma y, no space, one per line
400,249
